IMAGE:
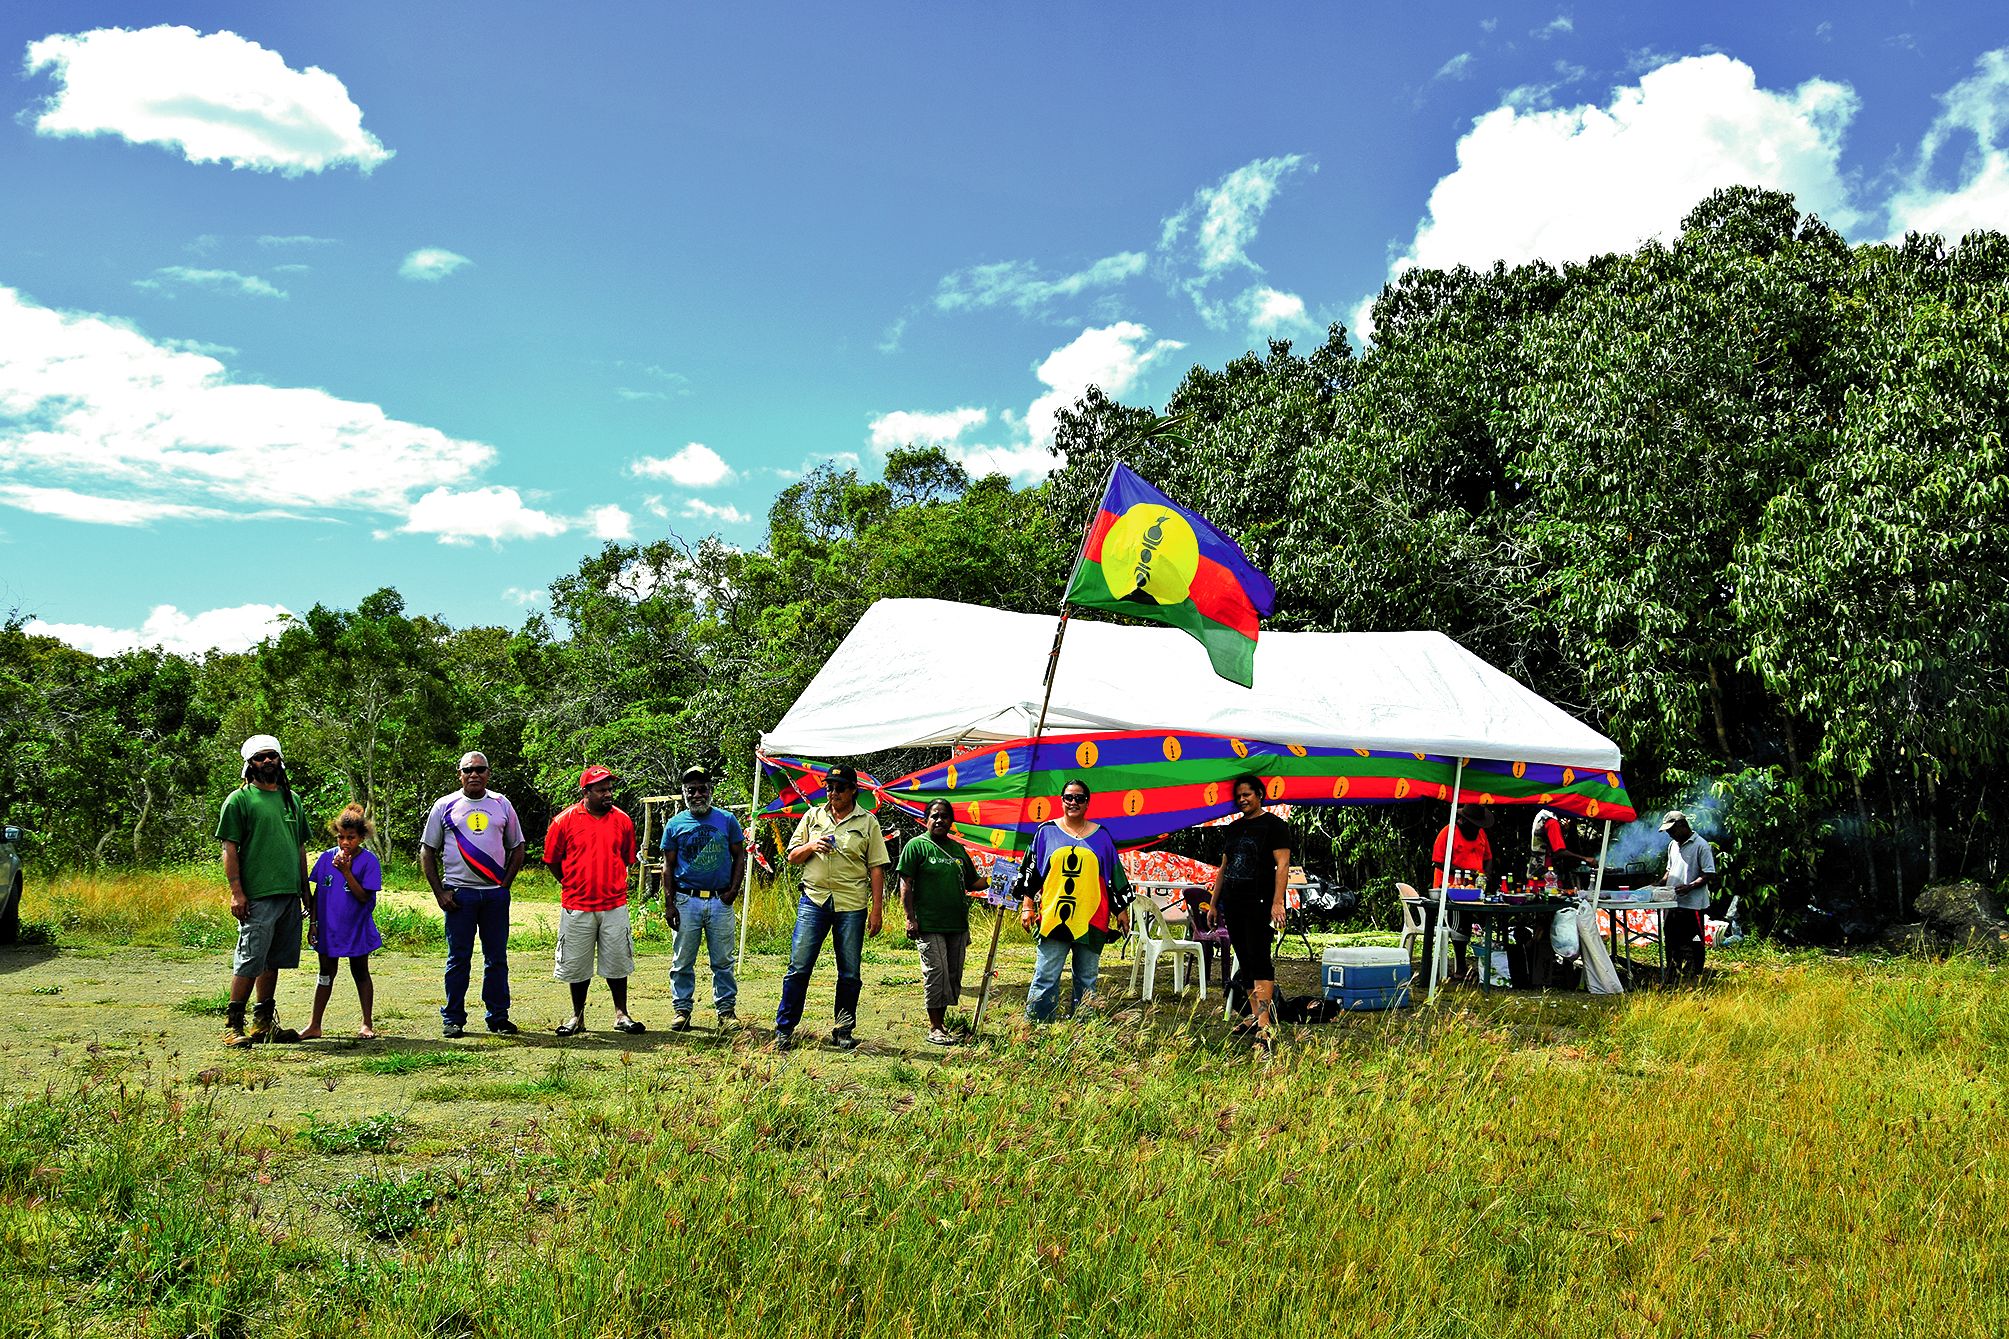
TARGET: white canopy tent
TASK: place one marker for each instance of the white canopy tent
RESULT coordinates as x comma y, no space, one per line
922,672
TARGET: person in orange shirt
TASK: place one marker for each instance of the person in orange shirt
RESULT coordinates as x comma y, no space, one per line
1471,852
591,848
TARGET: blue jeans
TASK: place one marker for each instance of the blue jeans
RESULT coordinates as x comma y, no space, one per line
1045,992
711,918
483,911
814,920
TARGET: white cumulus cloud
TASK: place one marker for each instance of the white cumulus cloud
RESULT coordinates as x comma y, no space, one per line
523,596
89,402
171,277
238,628
101,425
1570,183
492,512
610,522
1019,284
1269,311
69,505
1113,357
430,264
1974,114
216,97
695,466
1458,67
1210,236
1223,218
904,427
700,510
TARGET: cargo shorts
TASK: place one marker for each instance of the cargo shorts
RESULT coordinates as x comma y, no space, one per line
269,937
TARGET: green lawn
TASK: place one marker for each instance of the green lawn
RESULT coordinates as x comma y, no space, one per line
1806,1146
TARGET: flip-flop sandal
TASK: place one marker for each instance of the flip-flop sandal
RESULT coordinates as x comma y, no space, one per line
629,1026
570,1029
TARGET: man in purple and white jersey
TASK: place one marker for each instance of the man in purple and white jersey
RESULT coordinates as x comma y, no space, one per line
470,851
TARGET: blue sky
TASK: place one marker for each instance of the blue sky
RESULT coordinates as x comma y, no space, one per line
297,301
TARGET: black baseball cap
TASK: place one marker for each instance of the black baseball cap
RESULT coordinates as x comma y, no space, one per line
696,776
841,775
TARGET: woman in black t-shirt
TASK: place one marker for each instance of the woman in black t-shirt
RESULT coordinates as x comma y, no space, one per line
1249,893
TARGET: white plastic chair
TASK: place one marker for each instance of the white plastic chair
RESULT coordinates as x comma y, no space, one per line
1412,915
1160,937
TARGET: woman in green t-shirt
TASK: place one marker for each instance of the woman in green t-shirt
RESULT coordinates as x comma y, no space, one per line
936,879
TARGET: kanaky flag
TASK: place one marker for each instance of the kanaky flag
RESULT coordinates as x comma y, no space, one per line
1150,558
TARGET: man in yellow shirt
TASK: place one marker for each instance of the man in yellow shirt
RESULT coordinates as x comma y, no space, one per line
843,858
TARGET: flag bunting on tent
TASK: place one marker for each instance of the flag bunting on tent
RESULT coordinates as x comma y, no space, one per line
799,787
1150,558
1147,783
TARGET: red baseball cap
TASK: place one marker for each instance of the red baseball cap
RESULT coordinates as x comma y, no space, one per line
594,775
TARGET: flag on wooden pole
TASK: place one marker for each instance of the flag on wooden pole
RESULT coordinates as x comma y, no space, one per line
1150,558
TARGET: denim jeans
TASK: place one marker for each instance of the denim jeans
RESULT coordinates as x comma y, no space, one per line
814,920
1053,955
711,918
483,911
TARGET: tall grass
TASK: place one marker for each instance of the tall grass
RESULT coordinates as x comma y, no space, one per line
1796,1152
189,907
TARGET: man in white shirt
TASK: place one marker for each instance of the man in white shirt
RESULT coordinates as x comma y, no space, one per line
470,852
1691,869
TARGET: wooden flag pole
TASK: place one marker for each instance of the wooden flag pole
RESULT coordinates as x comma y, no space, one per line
1031,762
1168,428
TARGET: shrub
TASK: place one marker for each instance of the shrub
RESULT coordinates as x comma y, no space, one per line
391,1207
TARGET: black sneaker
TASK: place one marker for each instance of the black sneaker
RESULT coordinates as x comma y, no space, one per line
503,1027
784,1041
843,1041
451,1029
683,1023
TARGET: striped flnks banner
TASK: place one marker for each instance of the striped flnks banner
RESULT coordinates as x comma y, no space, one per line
799,783
1146,784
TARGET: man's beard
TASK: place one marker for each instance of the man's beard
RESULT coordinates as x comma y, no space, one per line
266,773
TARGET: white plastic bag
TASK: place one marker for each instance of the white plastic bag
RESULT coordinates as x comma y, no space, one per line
1598,973
1563,933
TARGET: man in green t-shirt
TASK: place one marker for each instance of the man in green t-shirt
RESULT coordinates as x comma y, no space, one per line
263,828
936,879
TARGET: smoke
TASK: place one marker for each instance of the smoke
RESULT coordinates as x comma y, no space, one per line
1643,842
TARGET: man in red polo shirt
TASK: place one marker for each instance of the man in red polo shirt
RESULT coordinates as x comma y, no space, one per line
1471,853
591,847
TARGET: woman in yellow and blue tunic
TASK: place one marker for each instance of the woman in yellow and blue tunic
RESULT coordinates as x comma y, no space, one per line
1076,892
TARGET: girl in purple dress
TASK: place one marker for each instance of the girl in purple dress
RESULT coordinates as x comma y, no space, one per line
346,878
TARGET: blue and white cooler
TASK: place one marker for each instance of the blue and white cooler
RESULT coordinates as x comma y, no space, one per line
1366,978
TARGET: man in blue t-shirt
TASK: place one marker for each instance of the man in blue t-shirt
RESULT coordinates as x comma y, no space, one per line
704,858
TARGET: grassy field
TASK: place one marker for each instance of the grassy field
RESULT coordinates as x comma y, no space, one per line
1806,1146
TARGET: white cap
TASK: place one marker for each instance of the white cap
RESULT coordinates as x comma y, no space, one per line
258,744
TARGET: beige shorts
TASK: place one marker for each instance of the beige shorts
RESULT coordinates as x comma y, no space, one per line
584,934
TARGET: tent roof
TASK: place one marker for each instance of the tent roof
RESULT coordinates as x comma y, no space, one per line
920,672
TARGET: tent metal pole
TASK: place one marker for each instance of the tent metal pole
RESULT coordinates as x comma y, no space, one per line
1597,883
1443,935
752,840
